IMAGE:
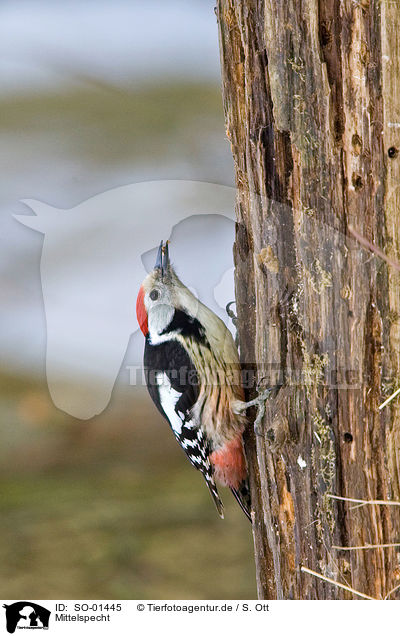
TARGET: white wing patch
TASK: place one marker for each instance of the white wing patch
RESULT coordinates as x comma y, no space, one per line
168,399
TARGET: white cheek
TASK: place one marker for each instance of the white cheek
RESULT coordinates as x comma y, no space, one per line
160,316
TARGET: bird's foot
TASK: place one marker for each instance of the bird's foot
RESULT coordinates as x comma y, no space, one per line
231,313
259,402
233,317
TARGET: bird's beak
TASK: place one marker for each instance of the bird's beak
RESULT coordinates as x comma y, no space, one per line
166,258
162,260
159,258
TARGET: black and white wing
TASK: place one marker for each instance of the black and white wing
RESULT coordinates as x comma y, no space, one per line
172,383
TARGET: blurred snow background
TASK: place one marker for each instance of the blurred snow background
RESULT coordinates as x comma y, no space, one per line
95,95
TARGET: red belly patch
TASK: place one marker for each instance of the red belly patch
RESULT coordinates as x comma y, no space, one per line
229,463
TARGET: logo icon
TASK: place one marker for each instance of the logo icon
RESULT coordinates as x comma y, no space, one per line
92,268
26,615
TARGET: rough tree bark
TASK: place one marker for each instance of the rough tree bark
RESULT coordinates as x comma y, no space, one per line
311,93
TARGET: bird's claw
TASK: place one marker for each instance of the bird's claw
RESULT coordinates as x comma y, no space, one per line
231,313
259,402
233,317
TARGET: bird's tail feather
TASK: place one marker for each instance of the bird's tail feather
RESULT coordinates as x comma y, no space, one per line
215,497
242,496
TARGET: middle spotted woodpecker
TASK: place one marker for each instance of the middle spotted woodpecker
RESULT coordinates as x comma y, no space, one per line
193,377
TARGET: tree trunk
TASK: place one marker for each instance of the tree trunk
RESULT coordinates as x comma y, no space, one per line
311,93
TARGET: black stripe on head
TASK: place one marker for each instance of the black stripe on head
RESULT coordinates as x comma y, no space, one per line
187,326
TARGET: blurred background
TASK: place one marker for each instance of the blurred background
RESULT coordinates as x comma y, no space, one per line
97,95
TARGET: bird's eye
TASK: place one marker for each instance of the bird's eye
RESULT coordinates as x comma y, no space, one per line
154,294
